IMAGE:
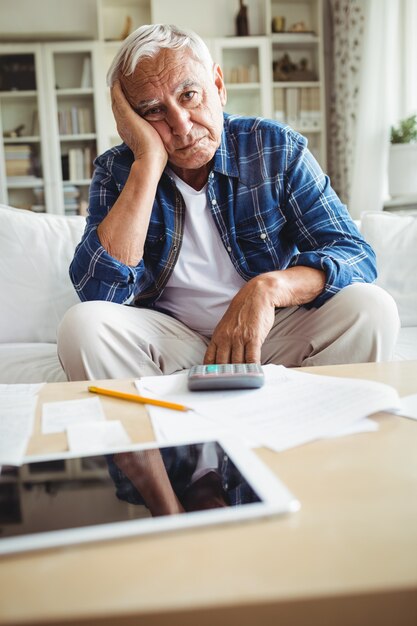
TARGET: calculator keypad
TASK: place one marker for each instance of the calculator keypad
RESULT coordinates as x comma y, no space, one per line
225,376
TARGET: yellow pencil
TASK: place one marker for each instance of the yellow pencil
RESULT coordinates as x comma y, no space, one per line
135,398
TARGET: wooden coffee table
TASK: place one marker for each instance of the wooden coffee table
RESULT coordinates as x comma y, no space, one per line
348,557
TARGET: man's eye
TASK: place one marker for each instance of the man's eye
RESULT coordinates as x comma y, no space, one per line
189,95
154,113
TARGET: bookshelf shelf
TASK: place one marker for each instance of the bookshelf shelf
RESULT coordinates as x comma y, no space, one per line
78,182
295,39
243,86
17,94
79,137
23,139
24,184
296,83
74,91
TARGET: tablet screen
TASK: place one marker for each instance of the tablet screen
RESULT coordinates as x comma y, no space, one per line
111,491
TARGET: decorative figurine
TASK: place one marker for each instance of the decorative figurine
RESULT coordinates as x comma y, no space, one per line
242,23
15,132
127,28
278,24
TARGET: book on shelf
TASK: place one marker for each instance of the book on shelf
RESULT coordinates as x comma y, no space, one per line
292,105
79,163
309,114
242,74
299,107
75,121
71,200
18,160
35,123
86,75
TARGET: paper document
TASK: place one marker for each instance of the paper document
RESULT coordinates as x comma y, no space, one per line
292,407
97,436
408,407
57,416
17,414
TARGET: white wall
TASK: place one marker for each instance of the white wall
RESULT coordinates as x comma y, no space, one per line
47,19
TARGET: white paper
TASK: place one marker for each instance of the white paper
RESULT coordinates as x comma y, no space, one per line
362,426
57,416
17,414
97,436
292,407
408,407
20,389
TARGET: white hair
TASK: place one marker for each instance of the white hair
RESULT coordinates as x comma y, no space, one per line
148,41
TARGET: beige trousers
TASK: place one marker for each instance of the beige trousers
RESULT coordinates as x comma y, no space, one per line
98,340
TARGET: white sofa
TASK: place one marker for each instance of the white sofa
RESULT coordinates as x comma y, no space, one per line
35,252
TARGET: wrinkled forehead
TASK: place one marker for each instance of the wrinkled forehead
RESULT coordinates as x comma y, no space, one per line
165,72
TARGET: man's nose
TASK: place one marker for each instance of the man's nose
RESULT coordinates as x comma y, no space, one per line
179,121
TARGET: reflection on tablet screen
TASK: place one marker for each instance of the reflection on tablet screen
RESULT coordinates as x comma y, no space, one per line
85,491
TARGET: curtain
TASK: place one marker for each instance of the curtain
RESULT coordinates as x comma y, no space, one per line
373,84
344,42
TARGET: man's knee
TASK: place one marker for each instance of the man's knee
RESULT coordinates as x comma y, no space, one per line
79,325
373,317
78,336
372,304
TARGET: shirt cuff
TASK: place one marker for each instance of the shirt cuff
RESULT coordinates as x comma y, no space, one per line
99,264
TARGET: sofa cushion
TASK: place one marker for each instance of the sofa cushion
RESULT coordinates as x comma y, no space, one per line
406,346
394,239
35,253
30,363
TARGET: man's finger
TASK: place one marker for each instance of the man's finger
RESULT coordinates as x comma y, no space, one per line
253,352
223,354
238,353
210,355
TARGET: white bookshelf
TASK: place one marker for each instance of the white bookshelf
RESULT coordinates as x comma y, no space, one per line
245,63
298,96
68,89
25,173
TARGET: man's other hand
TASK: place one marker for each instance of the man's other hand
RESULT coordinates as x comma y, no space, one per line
241,332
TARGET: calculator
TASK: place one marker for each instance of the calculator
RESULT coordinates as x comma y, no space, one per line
225,376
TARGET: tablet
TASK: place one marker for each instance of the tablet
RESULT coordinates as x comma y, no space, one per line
62,499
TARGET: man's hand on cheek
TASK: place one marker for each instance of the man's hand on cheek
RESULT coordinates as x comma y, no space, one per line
137,133
240,334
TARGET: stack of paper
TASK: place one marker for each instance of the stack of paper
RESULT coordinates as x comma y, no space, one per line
292,408
17,414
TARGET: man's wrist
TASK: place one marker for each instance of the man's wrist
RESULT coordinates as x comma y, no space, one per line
293,286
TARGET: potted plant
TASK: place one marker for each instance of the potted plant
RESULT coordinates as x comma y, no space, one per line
402,172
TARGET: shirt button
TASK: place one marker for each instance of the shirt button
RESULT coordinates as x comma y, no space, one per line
229,249
211,175
262,236
214,202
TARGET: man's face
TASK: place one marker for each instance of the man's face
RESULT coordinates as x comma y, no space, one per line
183,101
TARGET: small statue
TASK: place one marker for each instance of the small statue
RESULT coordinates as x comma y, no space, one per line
242,23
298,27
15,132
126,28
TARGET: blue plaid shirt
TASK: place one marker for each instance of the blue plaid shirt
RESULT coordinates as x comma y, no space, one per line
273,207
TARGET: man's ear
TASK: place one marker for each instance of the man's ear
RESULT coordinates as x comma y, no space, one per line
219,82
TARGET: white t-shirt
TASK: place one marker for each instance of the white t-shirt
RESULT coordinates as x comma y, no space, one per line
204,279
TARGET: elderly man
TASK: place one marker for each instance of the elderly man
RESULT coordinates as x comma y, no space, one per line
221,234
